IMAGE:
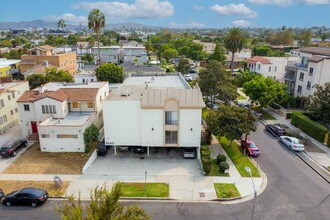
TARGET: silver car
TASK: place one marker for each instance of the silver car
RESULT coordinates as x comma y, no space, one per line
292,143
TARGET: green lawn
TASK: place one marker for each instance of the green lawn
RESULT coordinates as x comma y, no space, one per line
238,158
265,115
240,97
226,190
138,190
215,171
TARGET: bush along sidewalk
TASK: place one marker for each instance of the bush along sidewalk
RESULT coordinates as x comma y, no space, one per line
210,165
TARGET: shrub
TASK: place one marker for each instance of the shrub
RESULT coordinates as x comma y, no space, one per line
308,126
221,158
206,162
204,147
223,166
91,134
274,105
205,153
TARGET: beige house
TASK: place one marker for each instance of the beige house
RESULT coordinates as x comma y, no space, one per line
9,94
40,55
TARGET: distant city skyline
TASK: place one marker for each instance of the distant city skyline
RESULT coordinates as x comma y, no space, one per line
176,13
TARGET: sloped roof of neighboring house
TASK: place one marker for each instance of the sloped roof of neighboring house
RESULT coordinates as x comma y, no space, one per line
325,51
39,69
81,94
317,58
256,59
132,68
45,48
35,95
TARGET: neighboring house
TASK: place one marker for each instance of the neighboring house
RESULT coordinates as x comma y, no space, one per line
272,67
59,114
154,111
207,47
237,63
9,67
243,54
126,54
132,69
85,76
38,69
312,68
9,94
37,55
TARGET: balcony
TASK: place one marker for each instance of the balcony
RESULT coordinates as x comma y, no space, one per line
171,122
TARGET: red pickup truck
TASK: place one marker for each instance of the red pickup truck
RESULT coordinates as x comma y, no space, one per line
250,148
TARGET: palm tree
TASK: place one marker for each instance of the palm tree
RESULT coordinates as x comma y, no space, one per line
234,43
61,24
96,21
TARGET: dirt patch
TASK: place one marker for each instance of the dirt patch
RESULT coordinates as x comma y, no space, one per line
33,161
11,185
310,147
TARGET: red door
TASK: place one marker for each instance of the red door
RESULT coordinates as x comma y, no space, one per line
34,127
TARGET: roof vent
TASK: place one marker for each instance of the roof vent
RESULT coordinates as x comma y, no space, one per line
42,89
123,95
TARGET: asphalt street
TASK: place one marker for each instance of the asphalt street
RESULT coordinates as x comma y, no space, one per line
294,191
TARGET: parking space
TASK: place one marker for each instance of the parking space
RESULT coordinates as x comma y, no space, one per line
161,161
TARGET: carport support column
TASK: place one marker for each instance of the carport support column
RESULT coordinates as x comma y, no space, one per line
115,149
148,150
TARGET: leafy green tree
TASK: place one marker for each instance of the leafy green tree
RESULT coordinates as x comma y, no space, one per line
319,104
215,83
218,54
234,41
96,21
36,80
306,37
183,66
5,43
52,75
91,134
230,121
72,39
265,90
104,204
110,72
169,53
61,24
89,58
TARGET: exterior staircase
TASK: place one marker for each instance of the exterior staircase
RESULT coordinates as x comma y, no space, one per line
33,137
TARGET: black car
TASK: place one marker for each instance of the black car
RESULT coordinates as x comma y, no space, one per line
27,196
139,150
11,148
101,149
275,130
1,194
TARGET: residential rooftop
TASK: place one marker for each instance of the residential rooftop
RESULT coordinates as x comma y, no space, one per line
9,85
167,81
325,51
5,62
71,120
53,86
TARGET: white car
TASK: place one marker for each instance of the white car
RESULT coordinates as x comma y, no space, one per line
292,143
188,78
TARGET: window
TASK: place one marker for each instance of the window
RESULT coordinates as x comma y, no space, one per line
74,104
16,110
11,112
13,95
45,136
3,119
301,76
83,80
2,104
9,97
171,137
48,109
299,89
67,136
308,85
171,118
275,68
269,69
90,104
311,71
26,108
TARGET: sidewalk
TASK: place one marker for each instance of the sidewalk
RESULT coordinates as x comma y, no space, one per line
323,159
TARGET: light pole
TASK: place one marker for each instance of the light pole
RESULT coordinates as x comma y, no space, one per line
248,169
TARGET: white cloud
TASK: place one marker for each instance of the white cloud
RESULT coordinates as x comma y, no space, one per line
68,18
284,3
234,9
139,9
241,23
190,25
198,7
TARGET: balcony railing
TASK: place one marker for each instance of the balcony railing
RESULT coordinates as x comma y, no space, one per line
171,122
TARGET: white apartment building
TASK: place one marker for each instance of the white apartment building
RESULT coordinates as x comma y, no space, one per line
126,54
272,67
85,76
60,112
9,94
312,68
154,111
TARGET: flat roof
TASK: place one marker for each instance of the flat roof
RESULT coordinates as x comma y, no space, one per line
5,62
53,86
72,119
8,85
167,81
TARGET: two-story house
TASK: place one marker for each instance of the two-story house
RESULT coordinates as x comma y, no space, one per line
9,94
9,68
312,68
41,54
59,113
272,67
154,112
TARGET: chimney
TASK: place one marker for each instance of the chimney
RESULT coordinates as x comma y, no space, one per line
42,89
45,62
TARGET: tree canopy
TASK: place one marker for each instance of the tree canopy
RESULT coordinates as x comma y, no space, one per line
104,204
183,66
234,41
96,21
110,72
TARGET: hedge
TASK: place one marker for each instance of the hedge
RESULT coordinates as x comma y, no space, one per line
308,126
328,144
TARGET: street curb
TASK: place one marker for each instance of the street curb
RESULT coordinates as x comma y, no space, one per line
121,199
226,199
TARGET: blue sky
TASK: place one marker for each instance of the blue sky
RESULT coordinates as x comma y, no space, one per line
176,13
